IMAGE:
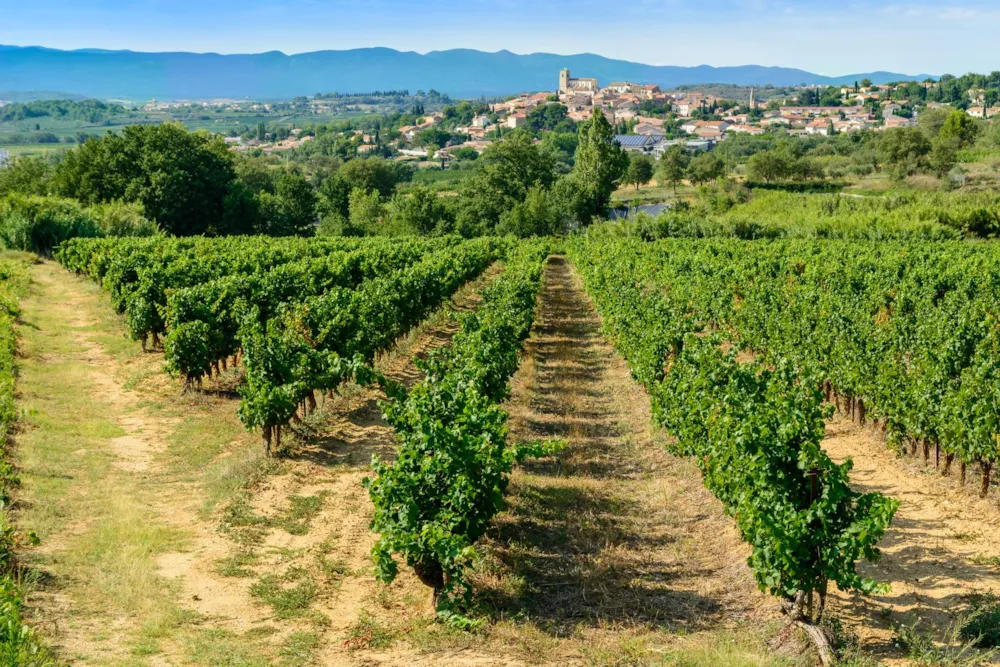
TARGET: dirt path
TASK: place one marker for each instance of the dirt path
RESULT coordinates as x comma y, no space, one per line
613,542
85,451
613,546
305,525
128,556
167,538
944,543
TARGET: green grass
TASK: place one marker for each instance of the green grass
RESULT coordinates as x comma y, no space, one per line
299,649
980,559
100,526
244,526
333,569
213,646
982,623
248,528
369,633
650,194
74,495
289,594
238,565
951,649
723,649
33,150
297,518
437,179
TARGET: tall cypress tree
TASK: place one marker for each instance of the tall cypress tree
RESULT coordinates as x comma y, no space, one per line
600,165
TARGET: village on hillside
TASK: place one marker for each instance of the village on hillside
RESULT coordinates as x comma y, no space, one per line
647,119
431,129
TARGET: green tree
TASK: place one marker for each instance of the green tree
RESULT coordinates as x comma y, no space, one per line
261,131
600,164
291,210
944,155
569,197
419,211
433,137
931,121
830,97
27,175
336,224
640,170
241,212
375,173
537,215
120,218
866,83
334,195
550,118
768,166
991,97
673,166
256,174
705,168
181,178
504,173
904,149
465,153
366,211
562,147
961,126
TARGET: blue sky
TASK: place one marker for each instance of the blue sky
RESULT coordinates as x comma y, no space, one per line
910,36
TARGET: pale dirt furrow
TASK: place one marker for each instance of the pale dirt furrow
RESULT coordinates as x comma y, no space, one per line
144,506
943,545
613,540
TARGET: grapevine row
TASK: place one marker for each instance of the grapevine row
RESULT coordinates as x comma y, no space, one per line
203,321
440,493
903,335
754,429
314,344
138,274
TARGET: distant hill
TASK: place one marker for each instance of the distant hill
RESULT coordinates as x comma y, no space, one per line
274,75
22,96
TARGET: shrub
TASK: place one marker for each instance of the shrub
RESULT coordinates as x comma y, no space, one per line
39,224
119,218
983,623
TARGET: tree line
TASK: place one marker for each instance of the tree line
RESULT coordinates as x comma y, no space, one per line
192,183
91,111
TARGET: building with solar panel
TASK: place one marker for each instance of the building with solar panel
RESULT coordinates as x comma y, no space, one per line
638,143
657,145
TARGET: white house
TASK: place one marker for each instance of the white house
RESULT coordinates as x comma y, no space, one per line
516,120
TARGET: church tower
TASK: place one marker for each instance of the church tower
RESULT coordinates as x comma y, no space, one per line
564,80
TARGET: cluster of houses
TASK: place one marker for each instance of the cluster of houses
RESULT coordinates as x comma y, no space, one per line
825,120
797,120
225,104
294,140
622,102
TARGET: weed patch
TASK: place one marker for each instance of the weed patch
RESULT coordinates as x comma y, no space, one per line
368,633
288,595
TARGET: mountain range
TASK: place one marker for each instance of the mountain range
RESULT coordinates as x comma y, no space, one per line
135,75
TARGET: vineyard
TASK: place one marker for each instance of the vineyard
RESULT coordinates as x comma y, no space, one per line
901,334
394,393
